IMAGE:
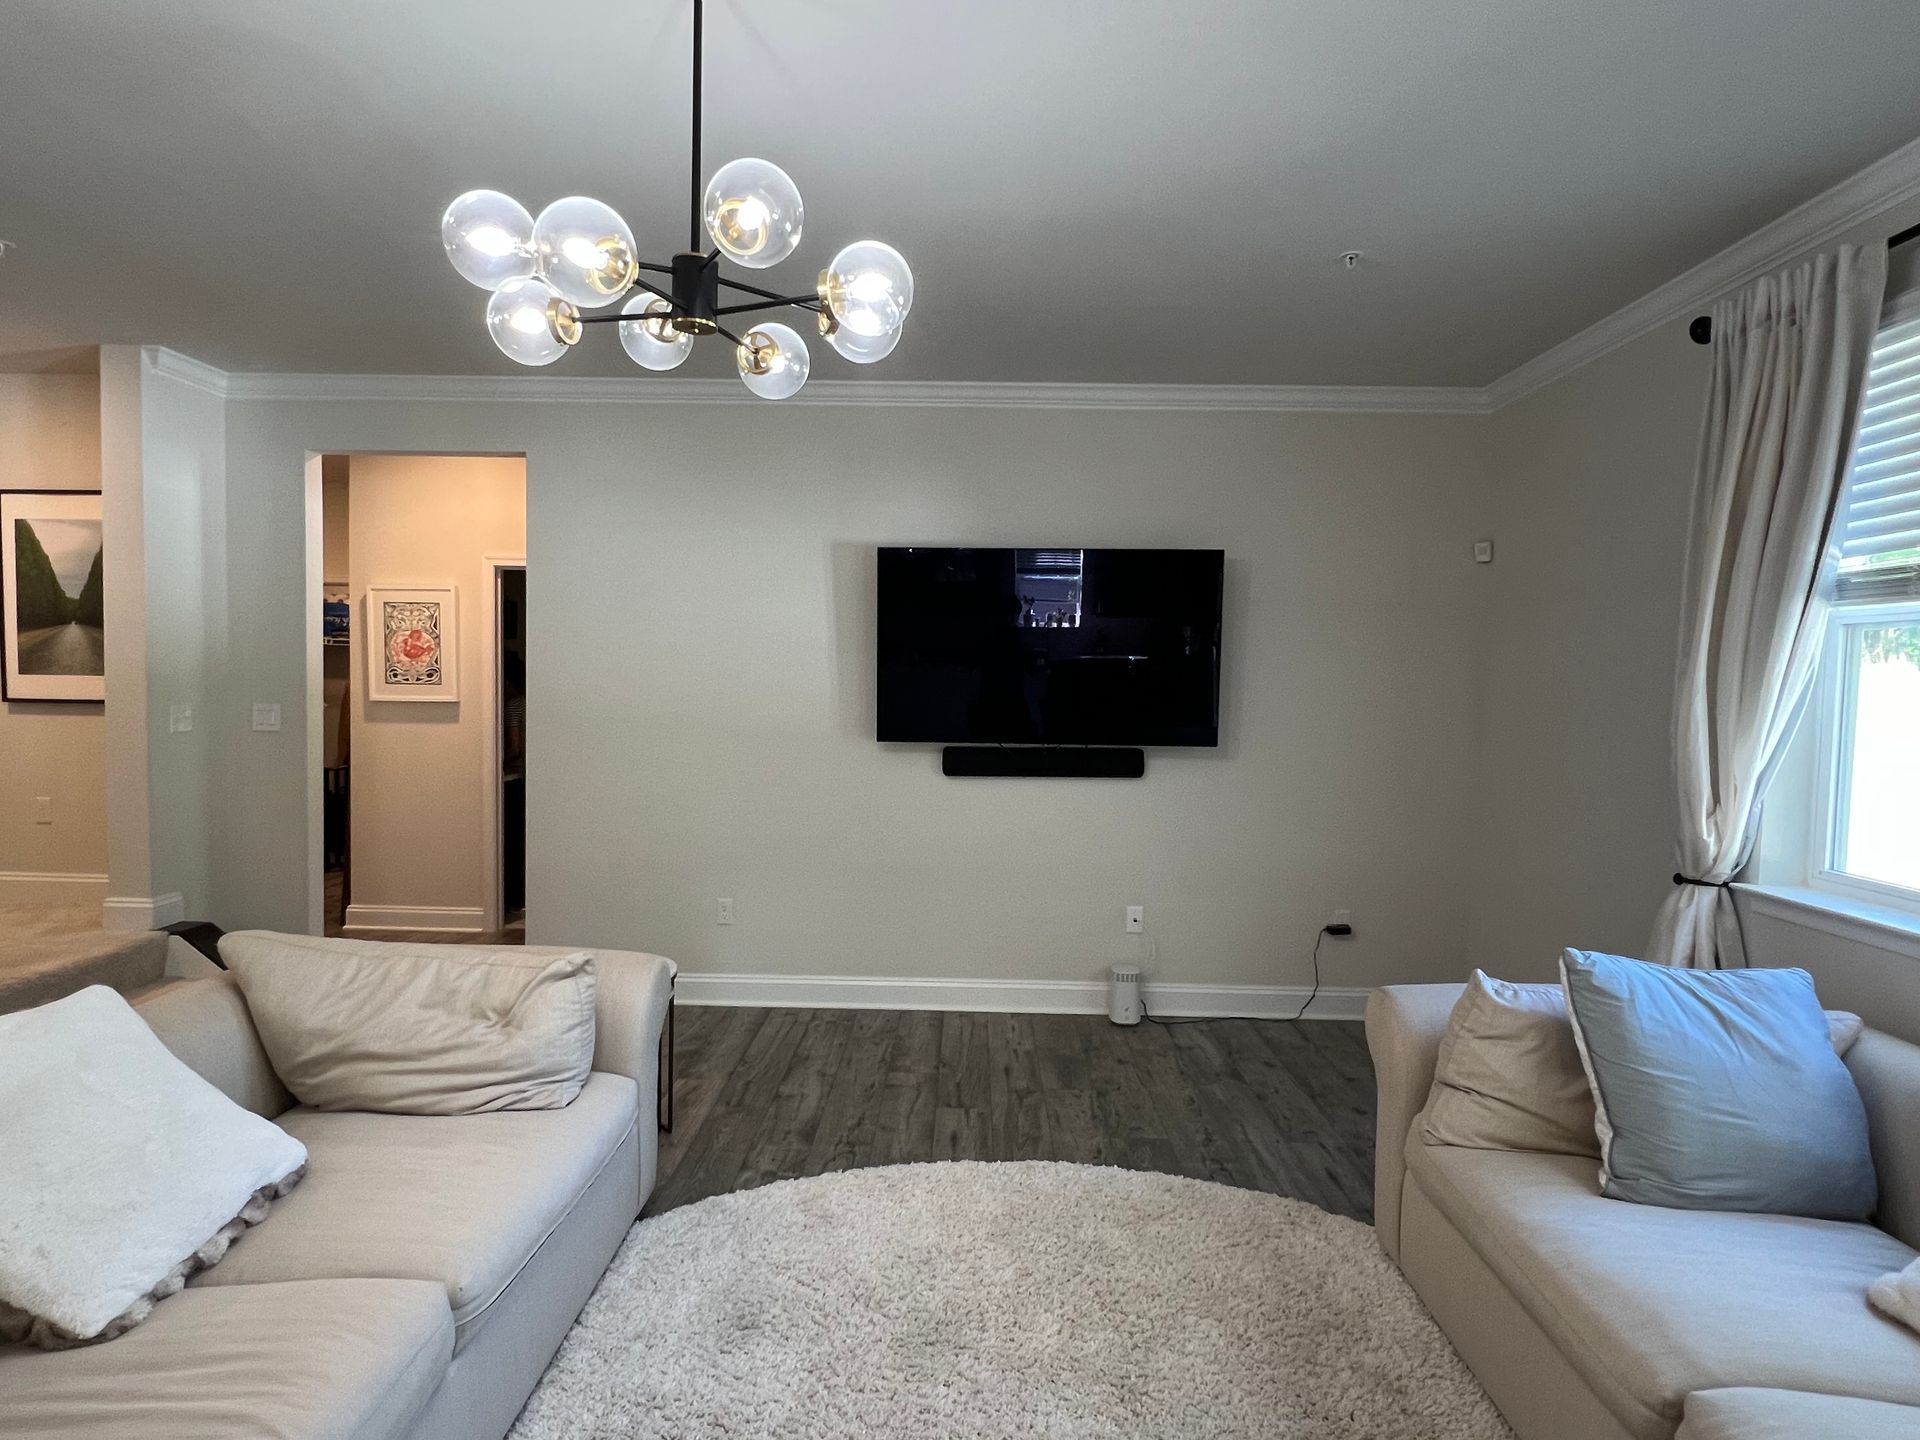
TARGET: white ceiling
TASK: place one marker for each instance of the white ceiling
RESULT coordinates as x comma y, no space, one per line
1124,191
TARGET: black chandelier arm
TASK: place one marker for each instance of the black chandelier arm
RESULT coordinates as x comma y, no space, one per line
610,316
801,302
753,289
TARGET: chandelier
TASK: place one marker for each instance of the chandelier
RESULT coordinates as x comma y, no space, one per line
578,255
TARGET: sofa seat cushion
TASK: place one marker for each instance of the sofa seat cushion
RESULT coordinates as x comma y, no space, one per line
309,1360
463,1200
1749,1414
1650,1304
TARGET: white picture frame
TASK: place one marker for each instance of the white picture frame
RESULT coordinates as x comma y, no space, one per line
52,619
412,643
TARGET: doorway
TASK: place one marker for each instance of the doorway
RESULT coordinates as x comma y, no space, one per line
417,680
510,643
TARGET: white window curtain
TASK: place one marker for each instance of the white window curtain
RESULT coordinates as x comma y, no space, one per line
1789,364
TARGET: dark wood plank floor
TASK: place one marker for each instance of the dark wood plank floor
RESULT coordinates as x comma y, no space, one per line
766,1095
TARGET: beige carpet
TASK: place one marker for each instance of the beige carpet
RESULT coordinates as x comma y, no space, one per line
1028,1299
47,951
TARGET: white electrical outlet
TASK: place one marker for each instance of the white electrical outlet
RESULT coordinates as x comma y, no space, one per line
179,719
266,717
1343,917
43,810
1136,919
723,914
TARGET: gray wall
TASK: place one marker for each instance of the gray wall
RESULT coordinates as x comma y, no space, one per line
1575,828
700,685
1574,838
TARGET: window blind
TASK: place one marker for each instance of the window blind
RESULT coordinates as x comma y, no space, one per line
1878,534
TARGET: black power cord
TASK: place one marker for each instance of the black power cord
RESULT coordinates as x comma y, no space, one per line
1307,1004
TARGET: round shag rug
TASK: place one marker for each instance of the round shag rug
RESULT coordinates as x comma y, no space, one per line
1020,1299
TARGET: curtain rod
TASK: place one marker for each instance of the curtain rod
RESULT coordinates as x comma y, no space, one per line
1702,327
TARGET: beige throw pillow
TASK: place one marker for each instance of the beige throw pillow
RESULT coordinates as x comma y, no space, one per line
418,1030
1509,1075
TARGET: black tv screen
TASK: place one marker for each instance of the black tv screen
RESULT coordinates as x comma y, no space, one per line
1049,647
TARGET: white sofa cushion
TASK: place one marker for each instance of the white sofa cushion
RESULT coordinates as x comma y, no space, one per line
315,1360
1650,1304
464,1201
418,1030
121,1170
1750,1414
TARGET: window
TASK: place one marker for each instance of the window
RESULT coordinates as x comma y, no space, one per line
1868,815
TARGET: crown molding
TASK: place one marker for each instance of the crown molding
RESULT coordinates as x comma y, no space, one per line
158,360
1887,182
925,394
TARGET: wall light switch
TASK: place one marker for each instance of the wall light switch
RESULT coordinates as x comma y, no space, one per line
1483,552
723,914
1136,919
266,717
179,719
43,810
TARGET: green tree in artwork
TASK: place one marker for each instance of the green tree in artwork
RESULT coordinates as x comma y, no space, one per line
90,609
41,602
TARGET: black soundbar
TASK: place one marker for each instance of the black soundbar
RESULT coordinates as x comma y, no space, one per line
1095,763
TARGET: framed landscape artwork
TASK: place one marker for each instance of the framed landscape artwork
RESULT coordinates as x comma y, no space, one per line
52,623
413,643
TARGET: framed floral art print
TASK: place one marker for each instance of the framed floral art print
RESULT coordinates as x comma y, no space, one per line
412,643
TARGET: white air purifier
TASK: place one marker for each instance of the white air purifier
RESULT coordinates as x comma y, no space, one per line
1123,995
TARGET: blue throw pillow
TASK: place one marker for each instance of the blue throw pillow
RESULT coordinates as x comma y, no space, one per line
1718,1089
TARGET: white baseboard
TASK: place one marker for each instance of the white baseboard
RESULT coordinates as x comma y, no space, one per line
52,887
1026,997
444,919
142,912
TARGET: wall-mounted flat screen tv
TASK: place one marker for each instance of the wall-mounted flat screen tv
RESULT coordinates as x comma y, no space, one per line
1049,647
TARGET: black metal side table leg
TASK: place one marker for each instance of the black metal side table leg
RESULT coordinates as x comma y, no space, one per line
665,1106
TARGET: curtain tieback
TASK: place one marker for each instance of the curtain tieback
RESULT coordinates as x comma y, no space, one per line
1680,879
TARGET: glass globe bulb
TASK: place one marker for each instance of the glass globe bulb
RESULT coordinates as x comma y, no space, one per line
488,237
773,361
530,322
652,343
753,212
868,288
860,349
586,251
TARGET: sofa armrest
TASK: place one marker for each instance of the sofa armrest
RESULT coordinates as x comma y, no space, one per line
632,991
1404,1026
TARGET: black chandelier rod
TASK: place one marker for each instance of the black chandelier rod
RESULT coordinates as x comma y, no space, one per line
767,299
693,233
1701,328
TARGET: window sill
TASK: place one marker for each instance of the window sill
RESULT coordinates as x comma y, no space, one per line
1881,926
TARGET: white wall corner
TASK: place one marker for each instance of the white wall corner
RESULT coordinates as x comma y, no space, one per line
1889,181
142,912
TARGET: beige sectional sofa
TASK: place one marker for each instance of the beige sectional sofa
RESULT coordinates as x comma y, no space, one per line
414,1284
1594,1319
